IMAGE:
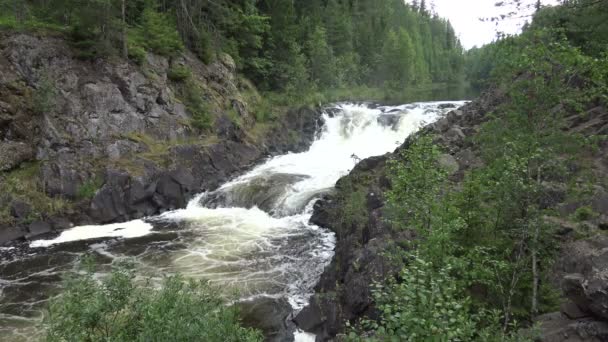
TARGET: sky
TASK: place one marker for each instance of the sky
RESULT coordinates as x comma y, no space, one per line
464,16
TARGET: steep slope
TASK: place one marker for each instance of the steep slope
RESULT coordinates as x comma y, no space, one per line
103,141
356,214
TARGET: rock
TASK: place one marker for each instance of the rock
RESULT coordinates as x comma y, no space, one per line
467,159
555,327
441,125
269,315
448,163
572,311
171,191
454,134
447,105
10,234
225,128
12,154
60,223
582,266
320,317
552,194
389,120
20,209
38,228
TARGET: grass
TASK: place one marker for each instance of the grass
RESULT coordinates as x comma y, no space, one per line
24,184
158,151
9,22
89,188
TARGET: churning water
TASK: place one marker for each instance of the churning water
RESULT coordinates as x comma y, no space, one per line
251,235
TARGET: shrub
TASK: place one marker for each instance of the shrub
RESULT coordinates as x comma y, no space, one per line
584,213
88,189
137,54
192,96
118,309
179,73
425,304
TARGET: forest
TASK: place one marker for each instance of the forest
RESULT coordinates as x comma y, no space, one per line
280,45
480,264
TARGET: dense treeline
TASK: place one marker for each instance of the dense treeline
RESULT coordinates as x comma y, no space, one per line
278,44
481,268
584,23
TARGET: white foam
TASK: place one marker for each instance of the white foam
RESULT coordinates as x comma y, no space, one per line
130,229
302,336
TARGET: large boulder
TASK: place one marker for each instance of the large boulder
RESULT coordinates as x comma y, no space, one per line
582,270
12,154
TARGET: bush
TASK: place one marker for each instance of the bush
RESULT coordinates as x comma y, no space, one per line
118,309
192,96
137,54
425,304
88,189
584,213
179,73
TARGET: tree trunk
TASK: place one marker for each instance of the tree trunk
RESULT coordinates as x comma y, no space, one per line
125,47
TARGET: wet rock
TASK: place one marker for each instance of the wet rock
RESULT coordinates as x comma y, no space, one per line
171,191
11,234
320,317
38,228
389,120
264,191
269,315
447,105
12,154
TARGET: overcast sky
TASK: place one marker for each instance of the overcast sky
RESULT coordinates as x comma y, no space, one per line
464,16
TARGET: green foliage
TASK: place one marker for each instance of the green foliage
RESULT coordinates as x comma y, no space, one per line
281,45
192,96
416,180
43,98
425,304
117,308
159,33
137,53
24,184
584,213
88,189
179,73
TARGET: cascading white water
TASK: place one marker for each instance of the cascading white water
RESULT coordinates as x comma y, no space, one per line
253,234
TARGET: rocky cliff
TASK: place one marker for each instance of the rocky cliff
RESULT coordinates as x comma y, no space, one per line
106,140
355,213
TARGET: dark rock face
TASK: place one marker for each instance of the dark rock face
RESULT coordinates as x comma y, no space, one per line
557,327
113,126
271,316
12,154
582,272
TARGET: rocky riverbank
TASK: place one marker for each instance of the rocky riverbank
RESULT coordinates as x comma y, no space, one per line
355,213
104,141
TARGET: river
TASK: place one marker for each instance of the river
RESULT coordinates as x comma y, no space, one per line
250,236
